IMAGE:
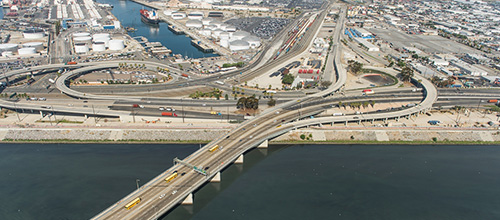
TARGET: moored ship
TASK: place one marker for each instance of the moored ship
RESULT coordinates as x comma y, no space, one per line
150,16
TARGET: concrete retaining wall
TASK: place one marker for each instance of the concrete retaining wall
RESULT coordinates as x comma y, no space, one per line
205,135
392,135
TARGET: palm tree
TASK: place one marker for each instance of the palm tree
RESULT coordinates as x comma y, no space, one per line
365,104
406,74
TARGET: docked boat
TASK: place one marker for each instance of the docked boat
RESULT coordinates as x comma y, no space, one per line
150,17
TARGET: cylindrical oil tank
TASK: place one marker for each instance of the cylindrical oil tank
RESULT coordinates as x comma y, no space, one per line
103,39
8,47
98,46
116,45
87,40
253,41
81,48
33,33
238,45
26,51
81,34
7,54
37,45
206,21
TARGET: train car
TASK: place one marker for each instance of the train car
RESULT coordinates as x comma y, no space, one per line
214,148
132,203
171,177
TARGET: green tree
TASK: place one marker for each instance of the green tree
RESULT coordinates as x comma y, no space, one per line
406,74
288,79
354,66
271,102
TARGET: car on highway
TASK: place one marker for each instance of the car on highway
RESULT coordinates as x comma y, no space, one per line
42,99
170,109
161,108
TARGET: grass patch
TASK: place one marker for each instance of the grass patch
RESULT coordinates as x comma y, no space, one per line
60,121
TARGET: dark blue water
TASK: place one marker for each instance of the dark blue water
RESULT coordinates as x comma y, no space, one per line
77,181
128,14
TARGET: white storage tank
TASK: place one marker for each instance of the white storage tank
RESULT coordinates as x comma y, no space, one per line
223,26
87,40
26,51
103,39
224,35
34,33
98,46
37,45
178,15
224,43
100,35
206,21
216,23
230,28
238,45
206,32
238,35
194,24
116,45
81,48
7,54
210,27
8,47
253,41
81,34
216,32
195,15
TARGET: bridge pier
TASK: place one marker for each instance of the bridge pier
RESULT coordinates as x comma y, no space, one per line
373,120
264,144
239,160
216,178
397,119
188,200
41,114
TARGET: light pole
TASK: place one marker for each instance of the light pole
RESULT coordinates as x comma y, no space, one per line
137,182
182,106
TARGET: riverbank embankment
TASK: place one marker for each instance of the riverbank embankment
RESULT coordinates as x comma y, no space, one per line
310,135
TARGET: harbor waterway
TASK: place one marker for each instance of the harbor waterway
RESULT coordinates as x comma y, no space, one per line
77,181
128,14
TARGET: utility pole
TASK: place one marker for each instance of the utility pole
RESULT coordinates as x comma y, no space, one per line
54,114
93,112
18,118
137,182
